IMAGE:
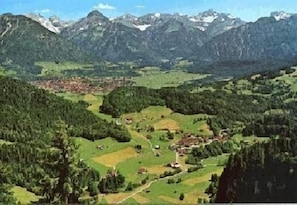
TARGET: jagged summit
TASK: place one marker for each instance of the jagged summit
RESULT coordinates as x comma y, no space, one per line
53,23
280,15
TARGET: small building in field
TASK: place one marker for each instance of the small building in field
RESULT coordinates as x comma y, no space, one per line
142,170
175,165
129,120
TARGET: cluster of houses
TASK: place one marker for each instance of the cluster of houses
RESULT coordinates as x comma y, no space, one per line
80,85
189,141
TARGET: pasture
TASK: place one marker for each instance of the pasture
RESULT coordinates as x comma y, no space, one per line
112,159
153,77
50,68
125,158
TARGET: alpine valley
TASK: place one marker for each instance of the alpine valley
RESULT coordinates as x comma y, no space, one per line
153,109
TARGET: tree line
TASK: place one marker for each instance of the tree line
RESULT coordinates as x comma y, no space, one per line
36,150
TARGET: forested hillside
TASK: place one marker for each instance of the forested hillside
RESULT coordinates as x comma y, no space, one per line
24,42
262,173
27,125
264,105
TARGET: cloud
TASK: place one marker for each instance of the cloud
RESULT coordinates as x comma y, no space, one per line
140,6
46,11
102,6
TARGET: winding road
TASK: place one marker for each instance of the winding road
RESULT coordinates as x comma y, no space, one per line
146,186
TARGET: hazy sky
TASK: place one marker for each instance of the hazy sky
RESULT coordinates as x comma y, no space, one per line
248,10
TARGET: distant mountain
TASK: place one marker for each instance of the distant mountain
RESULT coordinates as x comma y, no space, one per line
24,41
109,40
214,23
281,15
152,38
210,21
265,39
54,23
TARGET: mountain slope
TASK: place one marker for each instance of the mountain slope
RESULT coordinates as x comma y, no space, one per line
108,40
172,37
24,41
53,23
267,38
214,23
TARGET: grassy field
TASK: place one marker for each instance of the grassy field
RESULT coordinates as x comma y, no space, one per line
55,69
123,156
94,100
152,77
114,158
23,196
163,193
6,72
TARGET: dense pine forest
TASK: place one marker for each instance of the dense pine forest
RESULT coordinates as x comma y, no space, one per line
35,127
264,172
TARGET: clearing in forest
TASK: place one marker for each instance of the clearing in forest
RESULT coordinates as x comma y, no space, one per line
170,199
140,199
90,97
23,196
206,177
112,159
158,169
167,124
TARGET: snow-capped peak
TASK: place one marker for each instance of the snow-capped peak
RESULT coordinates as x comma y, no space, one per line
205,17
53,24
279,15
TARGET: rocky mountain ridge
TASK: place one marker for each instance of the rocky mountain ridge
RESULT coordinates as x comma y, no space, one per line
157,38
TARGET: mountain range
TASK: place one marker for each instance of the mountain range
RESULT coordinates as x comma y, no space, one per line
153,39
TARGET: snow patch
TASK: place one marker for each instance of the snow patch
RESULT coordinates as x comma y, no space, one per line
193,19
230,16
228,28
142,27
157,15
209,19
47,24
201,28
281,15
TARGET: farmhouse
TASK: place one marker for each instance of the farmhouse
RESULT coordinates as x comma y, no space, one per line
142,170
174,165
129,120
189,140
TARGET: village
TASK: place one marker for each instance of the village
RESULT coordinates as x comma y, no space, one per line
80,85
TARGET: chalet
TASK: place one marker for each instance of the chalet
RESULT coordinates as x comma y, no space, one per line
174,165
100,147
188,141
129,120
118,123
181,152
142,170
